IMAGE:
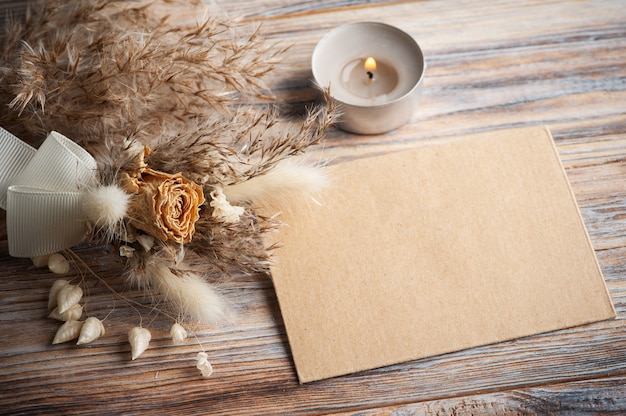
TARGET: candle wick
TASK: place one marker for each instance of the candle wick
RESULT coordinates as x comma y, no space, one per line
370,74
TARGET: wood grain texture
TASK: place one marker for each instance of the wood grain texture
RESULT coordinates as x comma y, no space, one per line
603,396
490,65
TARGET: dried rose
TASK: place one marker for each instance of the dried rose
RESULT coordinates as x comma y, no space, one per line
166,206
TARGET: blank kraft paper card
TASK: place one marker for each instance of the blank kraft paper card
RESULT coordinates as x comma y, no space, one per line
433,250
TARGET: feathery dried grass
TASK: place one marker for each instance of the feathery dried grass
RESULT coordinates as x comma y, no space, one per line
92,66
116,76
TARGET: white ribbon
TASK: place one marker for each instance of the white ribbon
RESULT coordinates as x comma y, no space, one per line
40,190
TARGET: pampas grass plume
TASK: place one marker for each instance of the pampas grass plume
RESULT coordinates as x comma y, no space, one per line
106,206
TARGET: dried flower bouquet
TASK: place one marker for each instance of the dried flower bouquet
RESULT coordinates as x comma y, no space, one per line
182,161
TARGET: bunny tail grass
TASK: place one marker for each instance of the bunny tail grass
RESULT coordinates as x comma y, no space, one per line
189,294
287,179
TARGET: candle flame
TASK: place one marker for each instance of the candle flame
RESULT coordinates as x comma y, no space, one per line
370,64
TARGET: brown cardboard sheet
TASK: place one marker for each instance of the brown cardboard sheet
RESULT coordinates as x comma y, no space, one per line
433,250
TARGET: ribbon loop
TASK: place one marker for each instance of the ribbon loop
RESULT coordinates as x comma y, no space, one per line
41,222
14,155
42,193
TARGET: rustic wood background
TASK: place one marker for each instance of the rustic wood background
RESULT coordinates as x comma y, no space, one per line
491,65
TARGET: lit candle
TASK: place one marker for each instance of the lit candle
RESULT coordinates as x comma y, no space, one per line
374,72
368,78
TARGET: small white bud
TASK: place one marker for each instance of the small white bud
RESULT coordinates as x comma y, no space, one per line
68,296
40,261
92,330
54,293
178,333
72,314
67,332
203,364
139,339
58,264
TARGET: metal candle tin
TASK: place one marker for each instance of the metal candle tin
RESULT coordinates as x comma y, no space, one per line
353,41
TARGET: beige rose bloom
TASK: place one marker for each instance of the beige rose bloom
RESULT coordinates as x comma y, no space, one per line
165,206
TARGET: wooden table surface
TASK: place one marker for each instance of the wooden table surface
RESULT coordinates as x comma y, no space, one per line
491,65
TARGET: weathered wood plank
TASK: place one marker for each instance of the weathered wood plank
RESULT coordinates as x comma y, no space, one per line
601,396
490,65
251,359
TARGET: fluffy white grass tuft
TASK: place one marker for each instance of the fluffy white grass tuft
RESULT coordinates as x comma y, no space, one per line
189,294
288,179
106,206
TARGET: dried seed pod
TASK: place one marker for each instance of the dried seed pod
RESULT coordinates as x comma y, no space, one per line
203,364
54,293
67,332
72,314
58,264
92,330
139,339
40,261
178,333
146,241
68,296
127,251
